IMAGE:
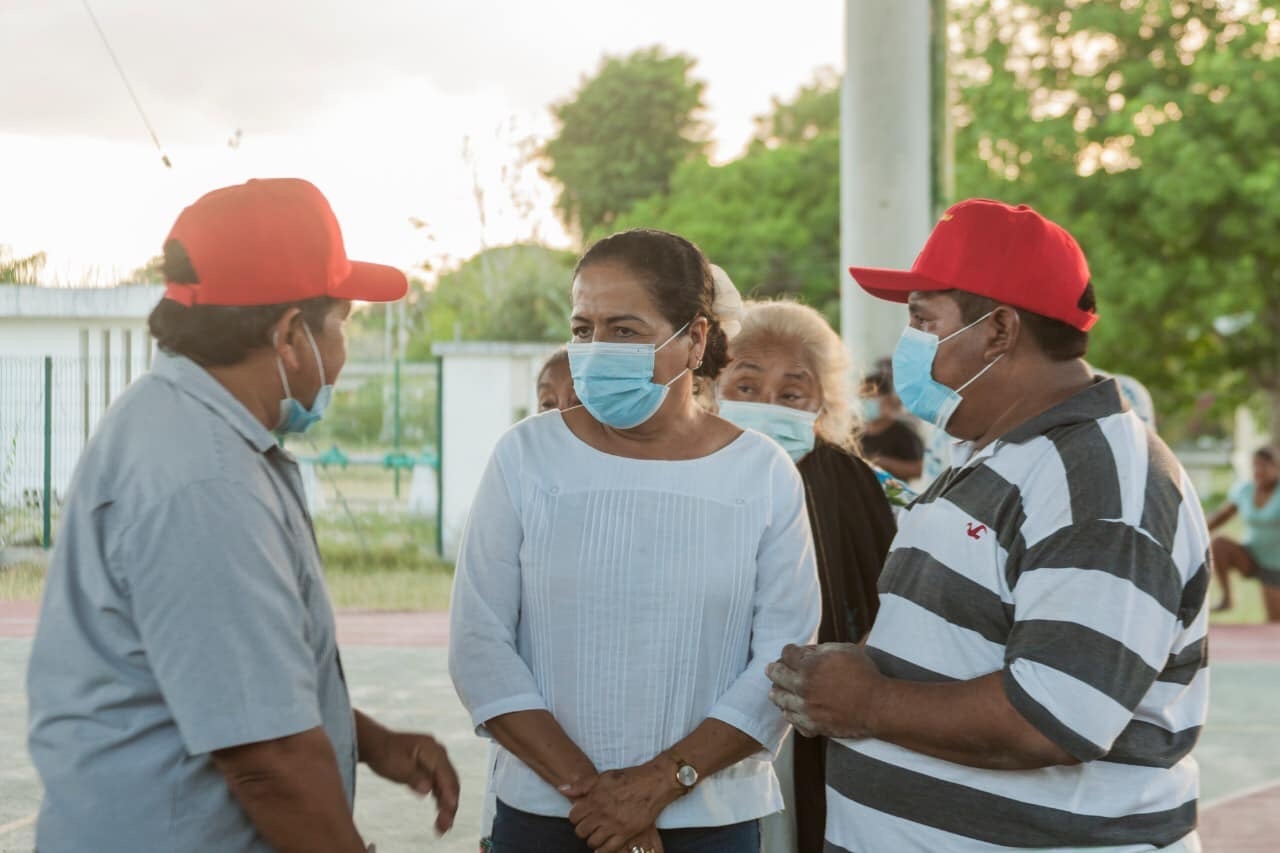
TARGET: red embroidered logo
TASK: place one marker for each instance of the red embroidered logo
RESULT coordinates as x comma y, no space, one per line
975,531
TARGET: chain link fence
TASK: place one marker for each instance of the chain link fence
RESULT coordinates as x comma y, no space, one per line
49,408
374,452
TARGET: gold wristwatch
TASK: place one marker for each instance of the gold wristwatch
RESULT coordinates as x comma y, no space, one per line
686,773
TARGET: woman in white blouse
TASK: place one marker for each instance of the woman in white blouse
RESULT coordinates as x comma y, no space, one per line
628,570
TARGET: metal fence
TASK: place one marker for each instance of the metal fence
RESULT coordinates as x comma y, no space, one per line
375,451
48,409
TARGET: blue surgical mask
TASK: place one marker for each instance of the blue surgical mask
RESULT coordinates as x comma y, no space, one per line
615,381
295,417
870,408
925,397
791,428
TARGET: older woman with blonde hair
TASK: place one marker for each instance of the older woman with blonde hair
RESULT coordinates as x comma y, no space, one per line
789,378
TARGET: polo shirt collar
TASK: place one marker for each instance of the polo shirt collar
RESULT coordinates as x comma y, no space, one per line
1101,399
193,379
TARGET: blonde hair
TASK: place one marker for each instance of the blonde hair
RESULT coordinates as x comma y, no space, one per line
789,322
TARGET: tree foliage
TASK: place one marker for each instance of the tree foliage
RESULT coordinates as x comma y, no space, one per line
509,293
623,134
771,218
20,270
1148,128
152,272
813,111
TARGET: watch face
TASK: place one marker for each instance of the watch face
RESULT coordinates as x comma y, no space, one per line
687,776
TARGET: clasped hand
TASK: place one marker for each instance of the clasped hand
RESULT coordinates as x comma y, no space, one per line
617,810
826,690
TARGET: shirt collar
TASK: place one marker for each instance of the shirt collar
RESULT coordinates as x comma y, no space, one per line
1101,399
193,379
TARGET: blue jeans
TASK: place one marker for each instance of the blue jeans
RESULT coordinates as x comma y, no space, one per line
515,831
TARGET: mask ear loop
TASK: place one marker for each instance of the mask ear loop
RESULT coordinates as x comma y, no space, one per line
315,350
284,380
675,378
967,328
978,375
678,333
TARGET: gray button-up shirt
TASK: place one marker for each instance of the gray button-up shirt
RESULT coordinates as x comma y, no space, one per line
185,611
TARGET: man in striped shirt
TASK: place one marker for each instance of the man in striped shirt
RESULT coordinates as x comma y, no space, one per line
1036,678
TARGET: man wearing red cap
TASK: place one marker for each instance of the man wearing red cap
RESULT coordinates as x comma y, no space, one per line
1037,675
186,691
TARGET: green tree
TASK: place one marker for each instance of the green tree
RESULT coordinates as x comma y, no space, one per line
623,134
152,272
508,293
810,113
16,270
771,218
1148,128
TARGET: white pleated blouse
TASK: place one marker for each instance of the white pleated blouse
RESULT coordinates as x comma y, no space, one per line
633,599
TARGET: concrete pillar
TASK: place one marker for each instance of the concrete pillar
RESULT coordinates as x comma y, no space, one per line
886,164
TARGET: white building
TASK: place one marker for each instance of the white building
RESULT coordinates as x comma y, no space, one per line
96,341
487,387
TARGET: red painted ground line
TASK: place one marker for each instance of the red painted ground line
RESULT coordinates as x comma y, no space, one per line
1227,643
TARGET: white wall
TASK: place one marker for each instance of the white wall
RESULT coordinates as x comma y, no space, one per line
98,341
487,388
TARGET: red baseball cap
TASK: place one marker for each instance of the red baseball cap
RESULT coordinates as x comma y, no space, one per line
272,241
1010,254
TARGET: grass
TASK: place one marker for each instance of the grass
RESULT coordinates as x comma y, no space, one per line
396,588
22,581
1246,603
383,561
379,561
390,589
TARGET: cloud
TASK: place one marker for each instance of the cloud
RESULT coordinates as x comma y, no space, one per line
203,68
371,99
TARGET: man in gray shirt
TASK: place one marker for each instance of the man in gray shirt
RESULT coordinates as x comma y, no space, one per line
185,685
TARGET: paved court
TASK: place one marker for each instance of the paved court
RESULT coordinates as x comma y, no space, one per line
396,663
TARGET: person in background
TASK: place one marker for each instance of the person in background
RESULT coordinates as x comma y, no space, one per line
555,385
1136,395
1037,676
628,569
728,306
887,439
787,379
1257,502
185,686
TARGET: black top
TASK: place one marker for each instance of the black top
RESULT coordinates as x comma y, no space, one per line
852,527
898,441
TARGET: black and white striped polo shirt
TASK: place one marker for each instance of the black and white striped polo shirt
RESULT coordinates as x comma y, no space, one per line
1072,556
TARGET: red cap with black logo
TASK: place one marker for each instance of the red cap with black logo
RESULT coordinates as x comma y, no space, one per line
269,242
1010,254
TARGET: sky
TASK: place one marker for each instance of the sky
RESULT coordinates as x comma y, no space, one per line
375,101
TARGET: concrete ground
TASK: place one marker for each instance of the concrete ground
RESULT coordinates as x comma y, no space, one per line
396,665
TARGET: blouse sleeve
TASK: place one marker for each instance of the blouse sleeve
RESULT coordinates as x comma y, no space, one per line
487,671
785,609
